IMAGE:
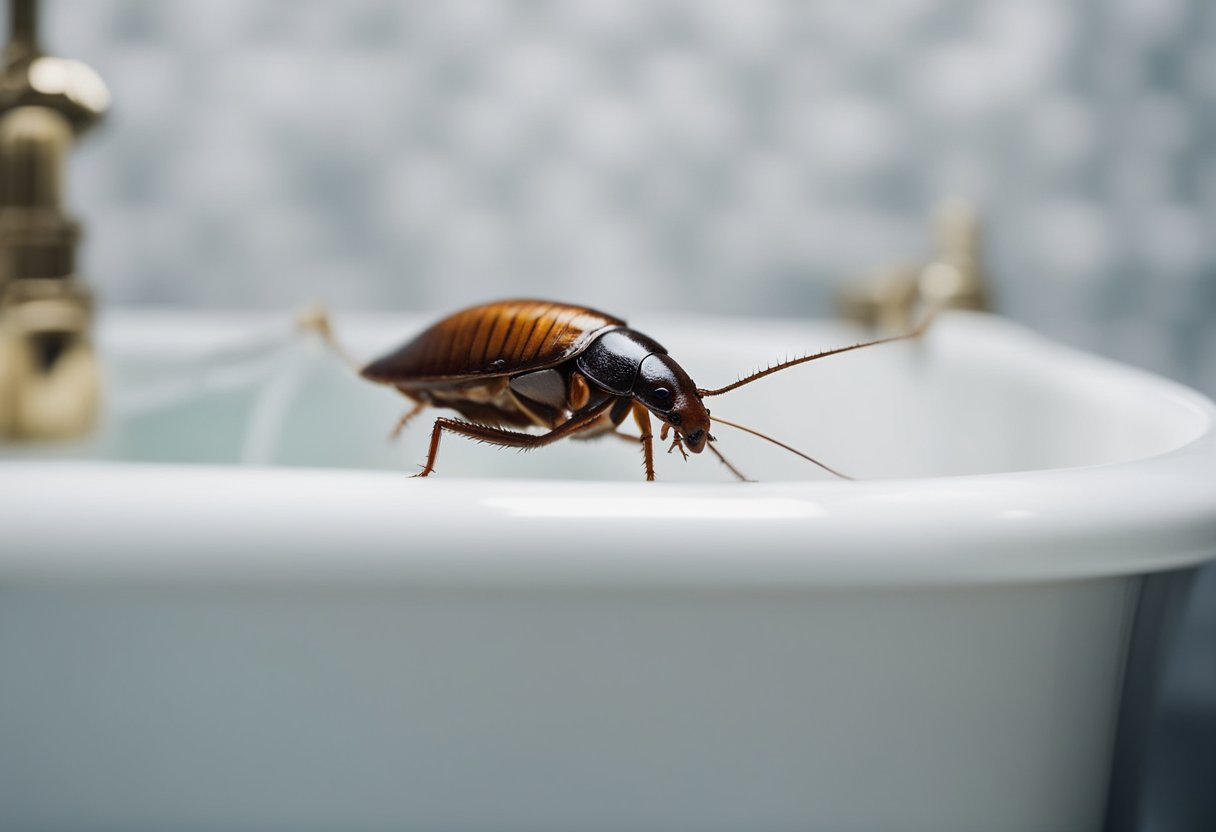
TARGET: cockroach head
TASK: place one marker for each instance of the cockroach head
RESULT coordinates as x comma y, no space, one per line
667,392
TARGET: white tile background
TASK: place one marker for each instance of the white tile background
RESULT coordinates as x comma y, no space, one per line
706,155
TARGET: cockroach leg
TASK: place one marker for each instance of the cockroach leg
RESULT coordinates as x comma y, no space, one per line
395,433
726,462
642,416
316,319
508,438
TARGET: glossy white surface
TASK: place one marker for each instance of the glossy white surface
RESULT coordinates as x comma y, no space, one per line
205,624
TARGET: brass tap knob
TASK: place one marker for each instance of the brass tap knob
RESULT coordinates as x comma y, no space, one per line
954,279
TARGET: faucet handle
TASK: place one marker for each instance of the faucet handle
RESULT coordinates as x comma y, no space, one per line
31,77
953,278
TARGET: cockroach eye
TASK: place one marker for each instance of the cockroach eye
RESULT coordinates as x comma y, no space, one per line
662,393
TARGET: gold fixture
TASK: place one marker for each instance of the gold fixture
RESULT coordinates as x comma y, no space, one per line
889,297
49,387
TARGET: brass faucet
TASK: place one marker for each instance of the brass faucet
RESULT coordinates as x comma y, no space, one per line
49,387
954,279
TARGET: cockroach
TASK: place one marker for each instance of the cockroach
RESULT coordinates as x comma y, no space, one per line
569,369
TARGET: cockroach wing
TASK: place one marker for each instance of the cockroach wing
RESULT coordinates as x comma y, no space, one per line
547,387
495,339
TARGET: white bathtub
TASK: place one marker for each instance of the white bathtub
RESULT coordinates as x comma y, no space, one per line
214,616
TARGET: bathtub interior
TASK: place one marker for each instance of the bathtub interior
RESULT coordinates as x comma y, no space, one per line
976,396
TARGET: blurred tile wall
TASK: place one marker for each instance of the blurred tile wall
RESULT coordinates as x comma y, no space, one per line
703,155
697,155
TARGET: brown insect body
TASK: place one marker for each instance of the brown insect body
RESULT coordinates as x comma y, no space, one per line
467,361
570,369
495,339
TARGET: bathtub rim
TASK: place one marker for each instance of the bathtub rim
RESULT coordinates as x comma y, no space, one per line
1151,514
175,522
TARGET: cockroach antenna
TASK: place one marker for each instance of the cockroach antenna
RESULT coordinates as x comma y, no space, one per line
776,442
785,365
